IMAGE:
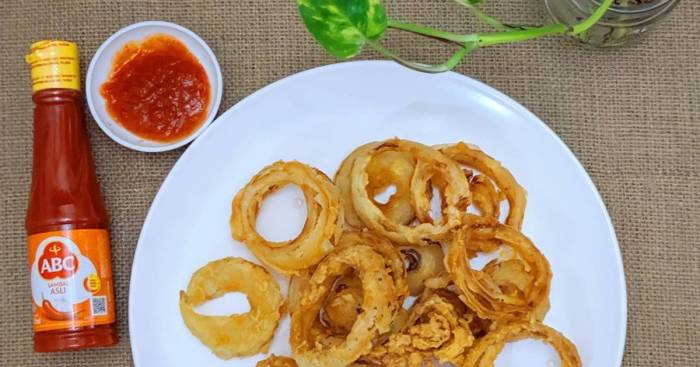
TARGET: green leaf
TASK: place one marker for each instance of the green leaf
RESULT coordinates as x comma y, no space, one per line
342,27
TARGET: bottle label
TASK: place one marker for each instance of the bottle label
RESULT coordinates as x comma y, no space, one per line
71,279
54,64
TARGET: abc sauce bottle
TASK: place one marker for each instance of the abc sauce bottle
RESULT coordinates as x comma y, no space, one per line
69,258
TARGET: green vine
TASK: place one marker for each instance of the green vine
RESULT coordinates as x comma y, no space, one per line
343,27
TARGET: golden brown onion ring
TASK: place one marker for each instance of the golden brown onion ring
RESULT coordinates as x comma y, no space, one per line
343,180
394,259
481,290
339,311
471,156
346,294
443,286
276,361
485,197
222,334
513,278
477,245
312,345
392,168
422,262
298,285
434,329
343,304
486,350
385,169
430,166
323,222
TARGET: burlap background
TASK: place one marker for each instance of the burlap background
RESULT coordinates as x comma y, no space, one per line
631,115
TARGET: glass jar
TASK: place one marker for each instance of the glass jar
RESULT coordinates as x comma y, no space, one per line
623,22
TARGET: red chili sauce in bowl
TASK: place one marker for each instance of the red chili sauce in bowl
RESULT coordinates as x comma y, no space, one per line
157,89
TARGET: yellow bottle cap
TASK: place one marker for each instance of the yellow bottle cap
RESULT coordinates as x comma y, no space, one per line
54,64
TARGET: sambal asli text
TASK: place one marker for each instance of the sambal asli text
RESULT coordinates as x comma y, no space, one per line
157,89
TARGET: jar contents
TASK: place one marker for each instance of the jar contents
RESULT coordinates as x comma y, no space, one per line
624,21
631,2
157,89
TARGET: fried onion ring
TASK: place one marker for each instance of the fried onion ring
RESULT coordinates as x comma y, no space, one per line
392,168
343,180
385,169
485,197
323,222
343,304
431,166
222,334
358,258
394,259
298,284
276,361
312,345
422,262
434,328
443,286
471,156
486,350
339,311
493,296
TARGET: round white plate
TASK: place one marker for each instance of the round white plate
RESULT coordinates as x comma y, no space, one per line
318,117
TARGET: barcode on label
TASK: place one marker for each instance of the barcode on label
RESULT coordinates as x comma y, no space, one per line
98,306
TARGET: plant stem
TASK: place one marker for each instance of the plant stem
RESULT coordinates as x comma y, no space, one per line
470,42
482,39
490,39
449,64
512,35
431,32
592,20
491,21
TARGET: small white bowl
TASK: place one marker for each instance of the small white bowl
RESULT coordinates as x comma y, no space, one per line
101,65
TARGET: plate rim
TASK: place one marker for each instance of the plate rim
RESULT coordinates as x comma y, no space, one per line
481,88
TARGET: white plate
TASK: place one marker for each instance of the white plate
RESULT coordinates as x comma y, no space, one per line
319,116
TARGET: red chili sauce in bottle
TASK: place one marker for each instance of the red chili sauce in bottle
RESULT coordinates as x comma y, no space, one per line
69,252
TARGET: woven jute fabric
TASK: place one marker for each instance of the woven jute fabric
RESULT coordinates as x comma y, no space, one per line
631,115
